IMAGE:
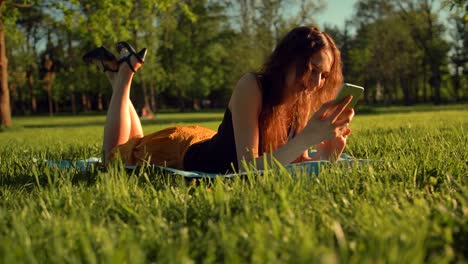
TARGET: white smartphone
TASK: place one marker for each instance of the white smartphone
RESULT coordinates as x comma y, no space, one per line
350,89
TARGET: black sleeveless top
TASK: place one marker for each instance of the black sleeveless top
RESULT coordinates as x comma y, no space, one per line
215,155
218,154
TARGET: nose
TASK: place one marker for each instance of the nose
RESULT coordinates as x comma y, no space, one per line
316,79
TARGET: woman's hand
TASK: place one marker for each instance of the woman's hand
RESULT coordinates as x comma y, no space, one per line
330,122
331,149
305,157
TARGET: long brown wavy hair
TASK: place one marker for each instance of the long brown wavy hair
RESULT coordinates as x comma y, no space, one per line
277,115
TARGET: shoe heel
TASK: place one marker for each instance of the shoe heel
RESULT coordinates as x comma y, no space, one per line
125,45
102,55
141,55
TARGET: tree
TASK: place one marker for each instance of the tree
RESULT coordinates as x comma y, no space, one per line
8,14
195,53
459,53
398,47
83,25
461,4
28,23
427,31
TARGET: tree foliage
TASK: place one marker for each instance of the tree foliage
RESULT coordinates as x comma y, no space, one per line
198,49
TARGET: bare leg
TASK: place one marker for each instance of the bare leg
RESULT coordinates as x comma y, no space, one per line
136,129
122,121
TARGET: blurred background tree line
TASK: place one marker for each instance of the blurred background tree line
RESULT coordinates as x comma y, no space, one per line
400,50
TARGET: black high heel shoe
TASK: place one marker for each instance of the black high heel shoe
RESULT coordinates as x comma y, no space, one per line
140,56
108,61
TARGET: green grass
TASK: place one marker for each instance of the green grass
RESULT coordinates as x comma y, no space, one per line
412,207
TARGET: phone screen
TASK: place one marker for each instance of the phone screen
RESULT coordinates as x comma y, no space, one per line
350,89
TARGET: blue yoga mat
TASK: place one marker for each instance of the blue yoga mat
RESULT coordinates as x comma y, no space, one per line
309,167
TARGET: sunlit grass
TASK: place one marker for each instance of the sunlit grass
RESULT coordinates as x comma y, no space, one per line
412,207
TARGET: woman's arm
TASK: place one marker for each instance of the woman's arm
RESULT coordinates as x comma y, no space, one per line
246,105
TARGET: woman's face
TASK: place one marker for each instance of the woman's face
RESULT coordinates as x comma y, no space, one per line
321,63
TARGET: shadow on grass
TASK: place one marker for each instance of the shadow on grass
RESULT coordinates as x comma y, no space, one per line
65,125
377,110
29,182
144,175
185,121
188,121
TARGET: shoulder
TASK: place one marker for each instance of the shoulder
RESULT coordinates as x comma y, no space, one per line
247,93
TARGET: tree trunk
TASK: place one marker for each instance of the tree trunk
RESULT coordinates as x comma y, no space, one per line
100,104
181,101
146,97
456,83
415,84
13,98
84,102
73,102
30,81
394,93
406,91
89,102
56,106
49,98
424,84
48,88
435,81
153,97
5,112
366,95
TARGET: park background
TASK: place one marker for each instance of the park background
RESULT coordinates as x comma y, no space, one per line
403,52
407,203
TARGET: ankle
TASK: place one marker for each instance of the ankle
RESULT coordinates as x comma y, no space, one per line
129,56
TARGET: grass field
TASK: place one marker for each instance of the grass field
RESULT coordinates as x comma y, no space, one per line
410,208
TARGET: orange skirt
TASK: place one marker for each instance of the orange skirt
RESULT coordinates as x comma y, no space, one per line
162,148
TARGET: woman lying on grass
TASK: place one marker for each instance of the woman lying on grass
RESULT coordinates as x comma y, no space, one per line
268,113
